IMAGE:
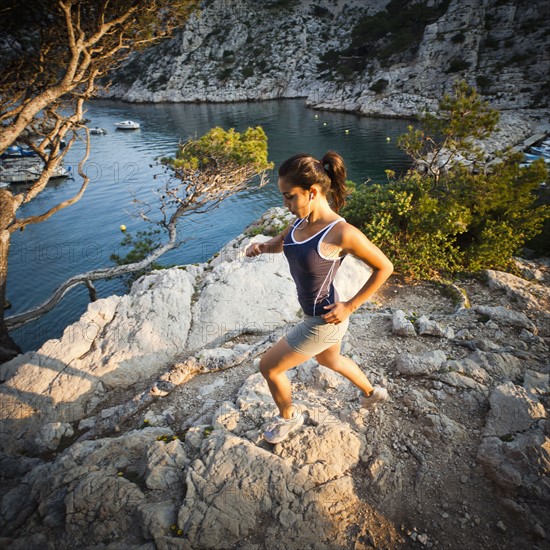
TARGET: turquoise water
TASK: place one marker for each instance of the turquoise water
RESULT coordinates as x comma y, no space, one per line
122,167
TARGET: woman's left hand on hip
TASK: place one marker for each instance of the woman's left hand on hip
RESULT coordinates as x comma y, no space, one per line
337,313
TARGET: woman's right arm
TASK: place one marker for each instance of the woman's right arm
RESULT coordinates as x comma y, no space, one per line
273,246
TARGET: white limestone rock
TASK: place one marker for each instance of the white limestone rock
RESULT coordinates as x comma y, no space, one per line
499,366
401,326
536,383
322,378
312,451
162,467
457,380
420,365
515,449
419,402
50,435
247,294
226,417
513,410
151,418
470,368
118,341
426,326
527,294
530,270
210,388
213,496
235,482
216,356
326,379
351,276
156,518
508,317
444,427
89,480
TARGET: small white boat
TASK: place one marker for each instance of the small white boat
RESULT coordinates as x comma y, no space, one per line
59,172
98,131
127,125
16,175
29,173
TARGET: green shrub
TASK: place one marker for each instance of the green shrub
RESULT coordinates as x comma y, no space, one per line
492,43
319,11
540,244
456,65
428,233
379,86
224,146
483,82
281,4
159,83
460,219
415,230
458,38
224,74
532,25
139,246
520,57
398,29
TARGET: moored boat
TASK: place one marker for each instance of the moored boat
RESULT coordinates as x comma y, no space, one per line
544,151
17,152
127,125
26,173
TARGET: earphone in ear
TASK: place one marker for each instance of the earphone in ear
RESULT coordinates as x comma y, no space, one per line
310,196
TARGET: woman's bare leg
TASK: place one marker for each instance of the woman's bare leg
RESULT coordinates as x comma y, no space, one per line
332,359
273,366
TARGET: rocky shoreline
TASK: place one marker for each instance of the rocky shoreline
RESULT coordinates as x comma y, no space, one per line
140,428
268,49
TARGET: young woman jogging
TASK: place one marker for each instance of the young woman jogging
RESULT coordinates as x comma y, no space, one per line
315,245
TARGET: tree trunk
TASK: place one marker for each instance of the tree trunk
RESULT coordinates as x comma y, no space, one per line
8,348
21,319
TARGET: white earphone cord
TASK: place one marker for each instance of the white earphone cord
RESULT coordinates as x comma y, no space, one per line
308,212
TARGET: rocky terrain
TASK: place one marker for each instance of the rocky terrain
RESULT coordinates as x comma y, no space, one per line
238,50
141,427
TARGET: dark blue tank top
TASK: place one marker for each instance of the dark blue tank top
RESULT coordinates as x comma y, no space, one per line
312,272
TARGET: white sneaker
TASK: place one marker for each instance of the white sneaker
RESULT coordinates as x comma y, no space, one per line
280,428
379,395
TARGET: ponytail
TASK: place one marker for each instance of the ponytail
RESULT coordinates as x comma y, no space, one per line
329,173
334,166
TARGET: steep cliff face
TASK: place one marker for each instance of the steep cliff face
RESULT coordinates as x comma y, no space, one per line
238,50
375,57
